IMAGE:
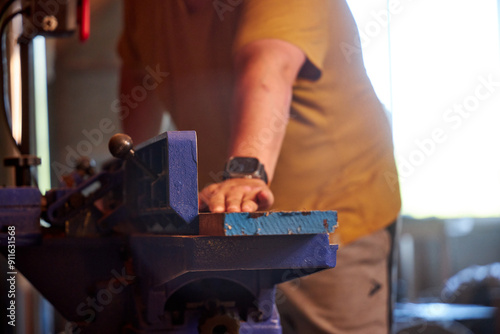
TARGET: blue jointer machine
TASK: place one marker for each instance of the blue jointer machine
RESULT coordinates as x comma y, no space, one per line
128,252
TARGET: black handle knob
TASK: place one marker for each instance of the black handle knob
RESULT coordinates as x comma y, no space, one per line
121,146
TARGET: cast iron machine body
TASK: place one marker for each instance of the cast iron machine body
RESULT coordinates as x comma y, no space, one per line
128,251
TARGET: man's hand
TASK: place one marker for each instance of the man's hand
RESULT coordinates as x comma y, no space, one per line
236,195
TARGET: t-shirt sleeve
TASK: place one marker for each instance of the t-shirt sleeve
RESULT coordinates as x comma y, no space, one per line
303,23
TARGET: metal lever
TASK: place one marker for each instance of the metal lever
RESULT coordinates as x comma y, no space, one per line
121,146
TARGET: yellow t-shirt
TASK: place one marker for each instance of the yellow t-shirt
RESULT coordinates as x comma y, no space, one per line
337,152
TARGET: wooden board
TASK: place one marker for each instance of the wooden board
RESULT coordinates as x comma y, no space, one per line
267,223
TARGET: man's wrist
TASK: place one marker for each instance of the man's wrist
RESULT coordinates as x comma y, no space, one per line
245,167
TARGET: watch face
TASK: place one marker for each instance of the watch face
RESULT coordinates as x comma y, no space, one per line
243,165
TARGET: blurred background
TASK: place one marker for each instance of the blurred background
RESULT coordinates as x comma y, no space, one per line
436,68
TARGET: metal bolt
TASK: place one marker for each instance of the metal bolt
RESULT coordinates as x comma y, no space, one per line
49,23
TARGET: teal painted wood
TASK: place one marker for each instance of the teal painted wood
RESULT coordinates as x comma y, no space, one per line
279,223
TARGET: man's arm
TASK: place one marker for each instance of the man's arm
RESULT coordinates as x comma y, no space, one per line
141,120
265,73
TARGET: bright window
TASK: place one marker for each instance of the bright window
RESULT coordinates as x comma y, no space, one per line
436,67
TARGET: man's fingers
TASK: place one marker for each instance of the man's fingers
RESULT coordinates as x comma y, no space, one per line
265,199
249,206
233,202
237,195
249,202
217,202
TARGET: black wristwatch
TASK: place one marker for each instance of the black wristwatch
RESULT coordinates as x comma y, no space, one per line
245,167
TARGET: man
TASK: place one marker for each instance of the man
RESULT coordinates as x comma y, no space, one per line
270,79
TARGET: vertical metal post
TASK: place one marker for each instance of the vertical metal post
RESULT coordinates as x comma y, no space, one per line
26,54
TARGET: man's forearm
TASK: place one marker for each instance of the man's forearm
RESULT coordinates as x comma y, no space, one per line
141,119
261,115
264,82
